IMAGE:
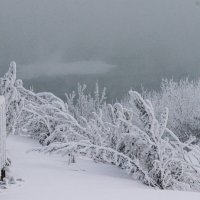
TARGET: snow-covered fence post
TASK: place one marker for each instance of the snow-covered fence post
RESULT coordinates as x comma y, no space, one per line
2,137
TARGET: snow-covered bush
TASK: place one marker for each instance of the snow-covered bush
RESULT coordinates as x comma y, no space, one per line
45,117
83,104
8,179
151,153
160,152
134,137
14,102
183,101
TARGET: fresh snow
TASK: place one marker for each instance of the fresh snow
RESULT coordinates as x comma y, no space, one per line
50,177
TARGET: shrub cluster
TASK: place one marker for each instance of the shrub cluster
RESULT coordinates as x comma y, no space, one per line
132,136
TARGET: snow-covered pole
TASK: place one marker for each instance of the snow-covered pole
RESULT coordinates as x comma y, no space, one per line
2,137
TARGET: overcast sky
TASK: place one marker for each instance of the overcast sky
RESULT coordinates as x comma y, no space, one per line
62,37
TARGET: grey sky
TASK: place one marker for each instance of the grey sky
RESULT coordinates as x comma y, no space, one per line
47,37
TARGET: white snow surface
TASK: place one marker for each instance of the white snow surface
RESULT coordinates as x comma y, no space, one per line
50,177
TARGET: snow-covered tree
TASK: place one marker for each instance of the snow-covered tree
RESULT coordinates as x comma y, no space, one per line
152,153
132,137
14,102
82,104
161,152
183,101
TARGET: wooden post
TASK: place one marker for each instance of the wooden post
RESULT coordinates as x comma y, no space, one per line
2,138
3,174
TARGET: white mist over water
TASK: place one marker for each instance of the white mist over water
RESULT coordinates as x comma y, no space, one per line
53,68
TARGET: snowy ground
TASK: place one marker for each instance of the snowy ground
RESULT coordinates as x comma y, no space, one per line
49,178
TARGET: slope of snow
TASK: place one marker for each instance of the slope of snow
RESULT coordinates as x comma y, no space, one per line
49,178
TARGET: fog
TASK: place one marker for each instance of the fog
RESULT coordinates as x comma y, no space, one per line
121,43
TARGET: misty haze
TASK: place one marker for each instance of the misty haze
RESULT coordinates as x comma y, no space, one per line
121,44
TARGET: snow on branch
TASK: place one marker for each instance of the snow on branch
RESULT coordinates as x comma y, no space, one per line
131,137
